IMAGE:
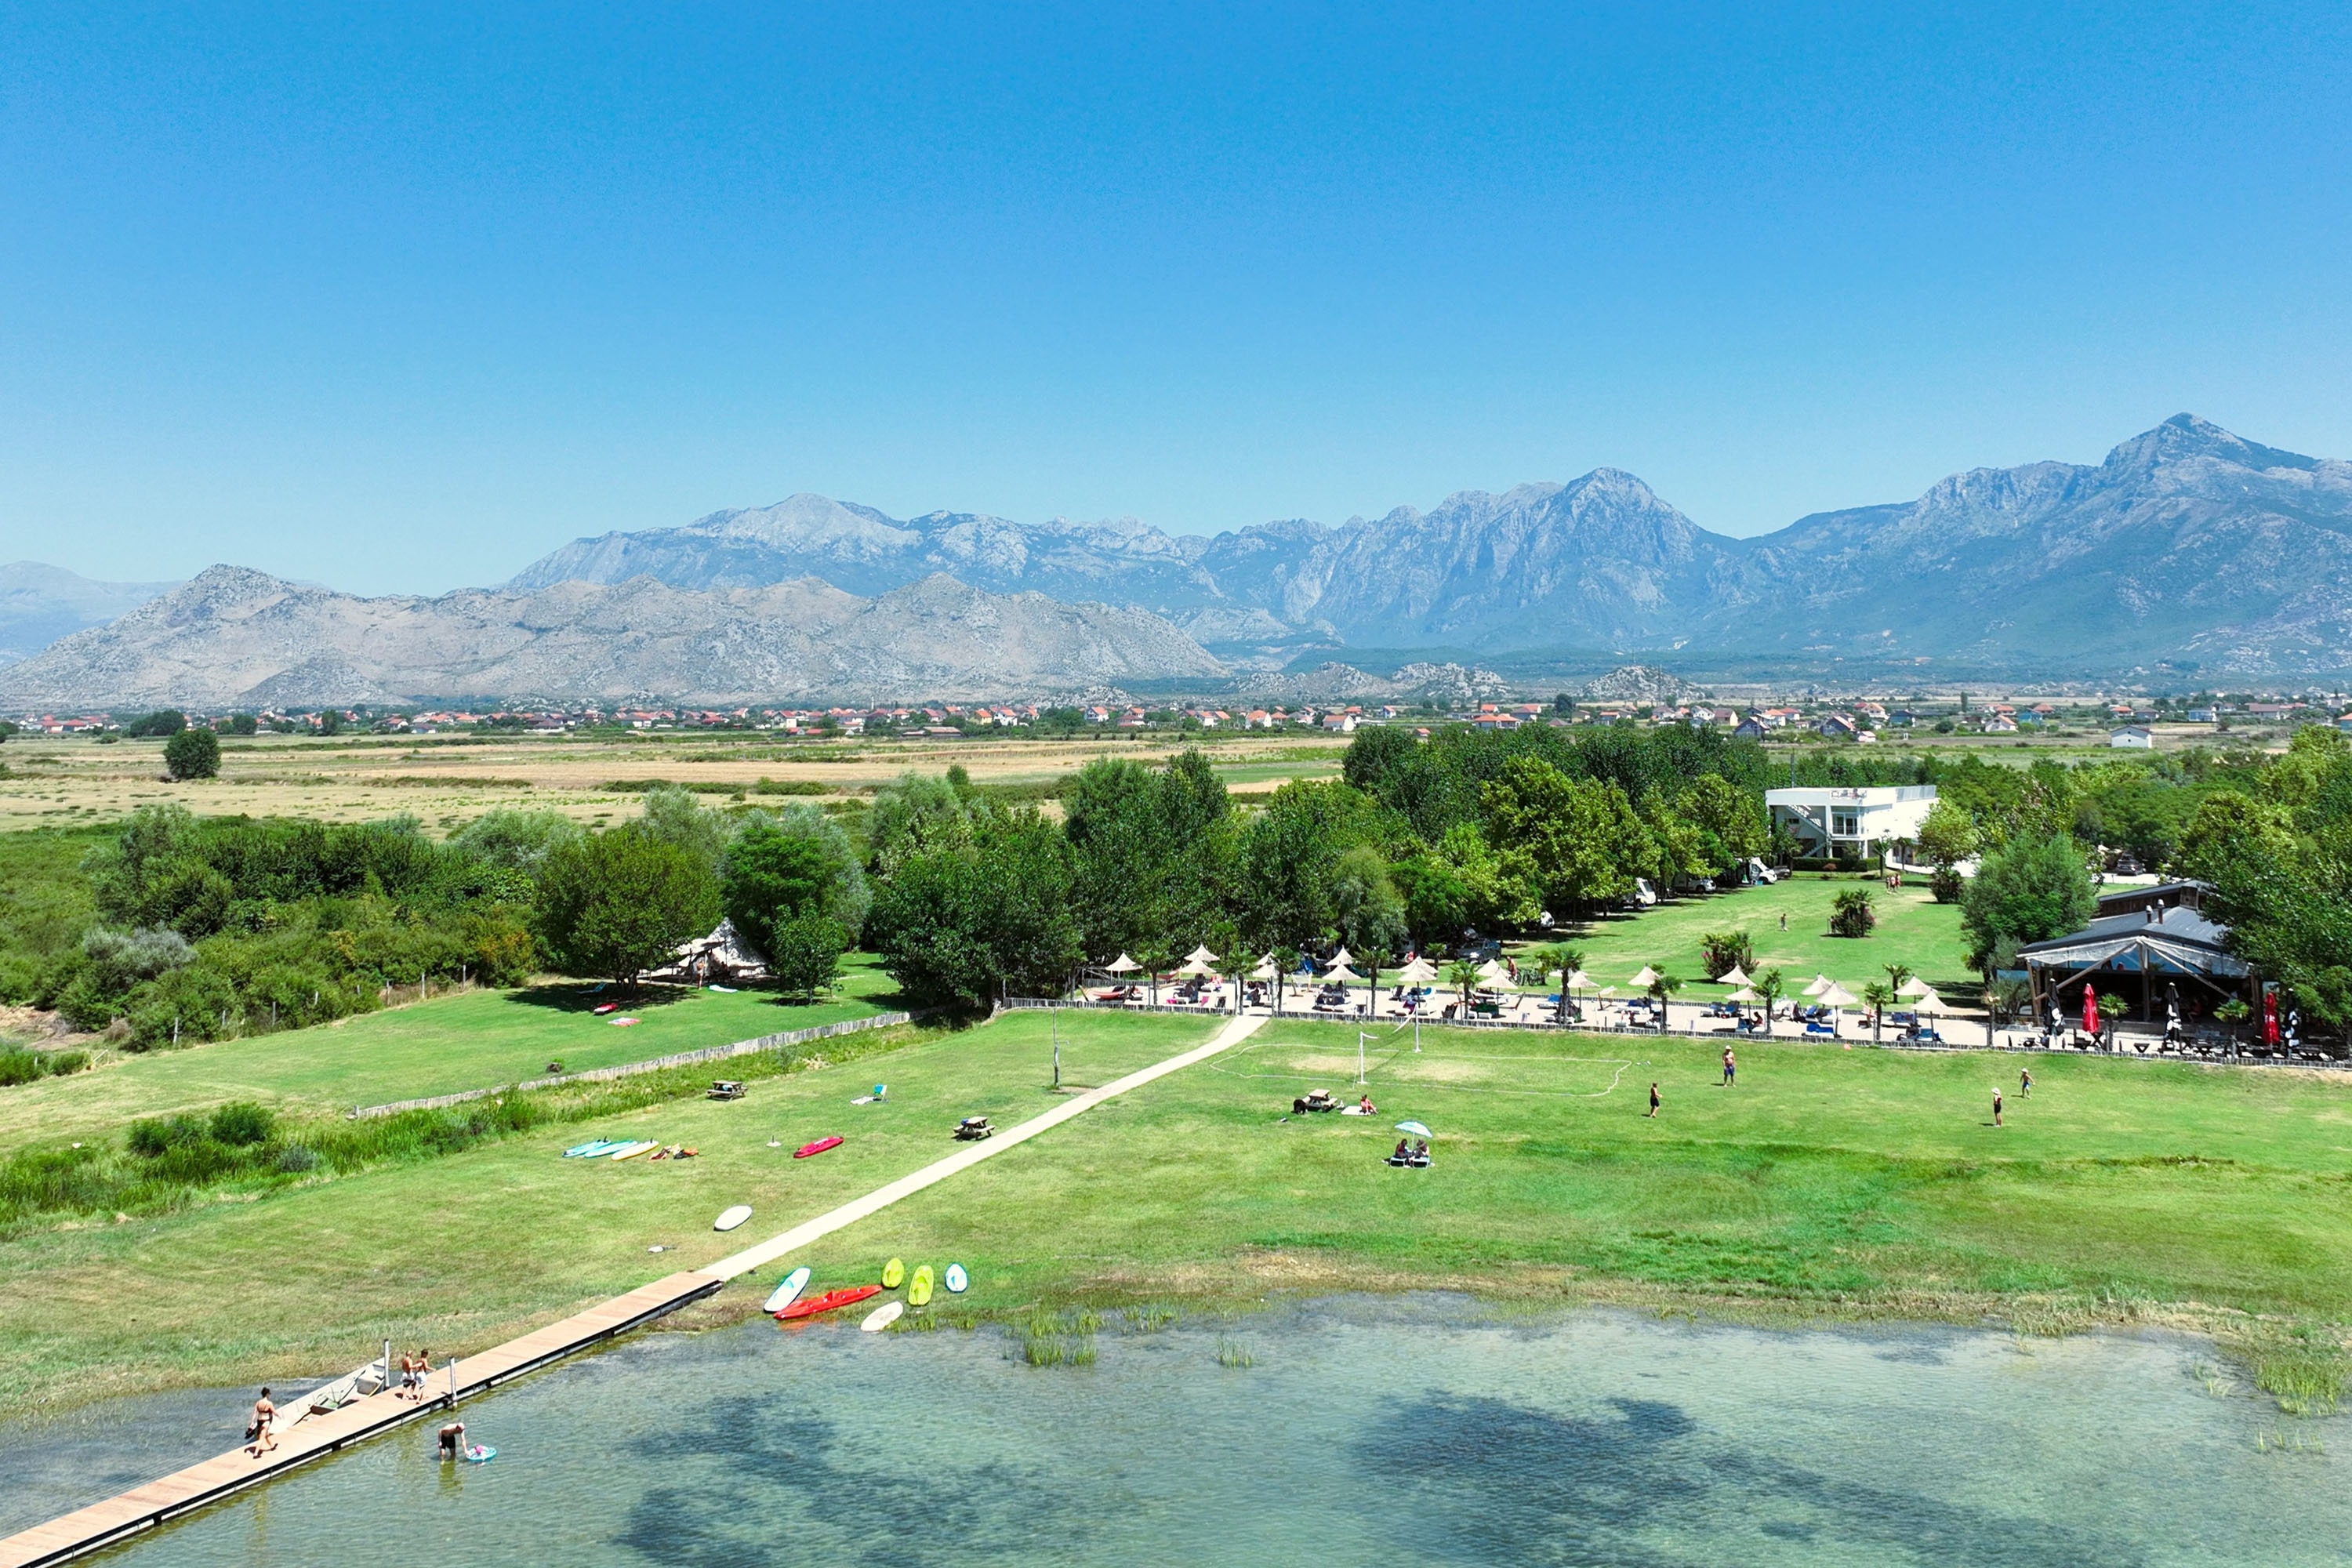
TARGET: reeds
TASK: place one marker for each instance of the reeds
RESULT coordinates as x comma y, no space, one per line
1231,1352
1047,1338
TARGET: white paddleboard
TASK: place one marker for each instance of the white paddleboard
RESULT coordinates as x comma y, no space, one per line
881,1318
788,1292
732,1217
956,1278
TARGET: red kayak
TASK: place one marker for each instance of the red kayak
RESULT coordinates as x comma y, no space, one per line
819,1147
828,1302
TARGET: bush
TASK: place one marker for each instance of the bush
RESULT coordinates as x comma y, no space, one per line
1722,951
1945,884
65,1063
1853,914
806,953
151,1137
193,754
242,1122
297,1158
19,1067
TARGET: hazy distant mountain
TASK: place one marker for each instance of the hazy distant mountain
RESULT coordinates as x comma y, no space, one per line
237,638
2187,546
40,604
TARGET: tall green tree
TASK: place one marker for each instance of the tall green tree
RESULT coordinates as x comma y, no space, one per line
1580,839
960,921
193,754
792,866
2029,890
613,903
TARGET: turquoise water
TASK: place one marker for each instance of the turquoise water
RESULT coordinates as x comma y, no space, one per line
1366,1431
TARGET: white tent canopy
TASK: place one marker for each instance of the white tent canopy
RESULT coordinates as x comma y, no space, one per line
1122,965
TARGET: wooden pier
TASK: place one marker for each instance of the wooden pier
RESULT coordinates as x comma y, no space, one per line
143,1508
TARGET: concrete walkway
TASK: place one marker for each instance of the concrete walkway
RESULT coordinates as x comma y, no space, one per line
142,1507
1236,1031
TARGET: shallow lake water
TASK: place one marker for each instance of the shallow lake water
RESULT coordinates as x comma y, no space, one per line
1369,1431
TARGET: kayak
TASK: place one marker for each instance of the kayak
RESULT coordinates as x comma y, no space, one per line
819,1147
848,1297
881,1318
733,1217
788,1292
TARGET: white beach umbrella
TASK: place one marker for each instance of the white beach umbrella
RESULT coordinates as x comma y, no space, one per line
1341,959
1914,986
1340,974
1200,956
1837,996
1928,1002
1122,965
1420,971
1265,970
1199,967
1577,980
1743,995
1647,978
1492,971
1735,975
1819,983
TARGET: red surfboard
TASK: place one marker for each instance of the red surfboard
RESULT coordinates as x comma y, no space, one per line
819,1147
811,1307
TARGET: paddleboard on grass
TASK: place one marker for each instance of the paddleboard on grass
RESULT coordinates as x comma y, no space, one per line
591,1150
881,1318
788,1292
631,1151
732,1217
819,1147
957,1279
893,1272
849,1296
918,1289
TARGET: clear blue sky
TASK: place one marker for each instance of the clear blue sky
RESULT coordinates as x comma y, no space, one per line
401,300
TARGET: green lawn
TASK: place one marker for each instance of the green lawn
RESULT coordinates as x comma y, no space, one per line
1829,1180
471,1040
1913,930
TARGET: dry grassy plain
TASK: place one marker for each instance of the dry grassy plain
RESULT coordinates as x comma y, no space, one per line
450,779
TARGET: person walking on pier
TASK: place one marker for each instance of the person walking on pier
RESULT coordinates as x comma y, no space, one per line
263,1440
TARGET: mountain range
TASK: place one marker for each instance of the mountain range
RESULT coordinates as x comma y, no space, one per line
2189,555
2187,548
40,604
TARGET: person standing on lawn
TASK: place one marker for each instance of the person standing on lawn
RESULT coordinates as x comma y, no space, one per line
1654,1099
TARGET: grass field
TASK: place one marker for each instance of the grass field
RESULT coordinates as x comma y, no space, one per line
1913,930
1826,1182
472,1040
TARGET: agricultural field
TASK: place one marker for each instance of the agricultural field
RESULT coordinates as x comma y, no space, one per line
448,780
1825,1182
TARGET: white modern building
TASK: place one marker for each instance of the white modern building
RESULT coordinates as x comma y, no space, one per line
2132,738
1824,820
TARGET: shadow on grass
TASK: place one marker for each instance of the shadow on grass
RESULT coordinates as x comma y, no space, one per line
587,995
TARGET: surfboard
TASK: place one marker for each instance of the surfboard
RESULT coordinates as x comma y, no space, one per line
918,1289
590,1150
631,1151
848,1296
819,1147
881,1318
732,1217
957,1279
892,1273
788,1292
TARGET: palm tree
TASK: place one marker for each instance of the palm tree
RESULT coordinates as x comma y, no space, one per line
1233,962
1376,960
1897,974
1285,963
1462,976
1155,956
1662,986
1768,985
1877,996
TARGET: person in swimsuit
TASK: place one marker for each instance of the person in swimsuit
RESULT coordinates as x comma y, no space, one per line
453,1438
1730,1067
2025,1083
264,1413
1996,1108
1653,1099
